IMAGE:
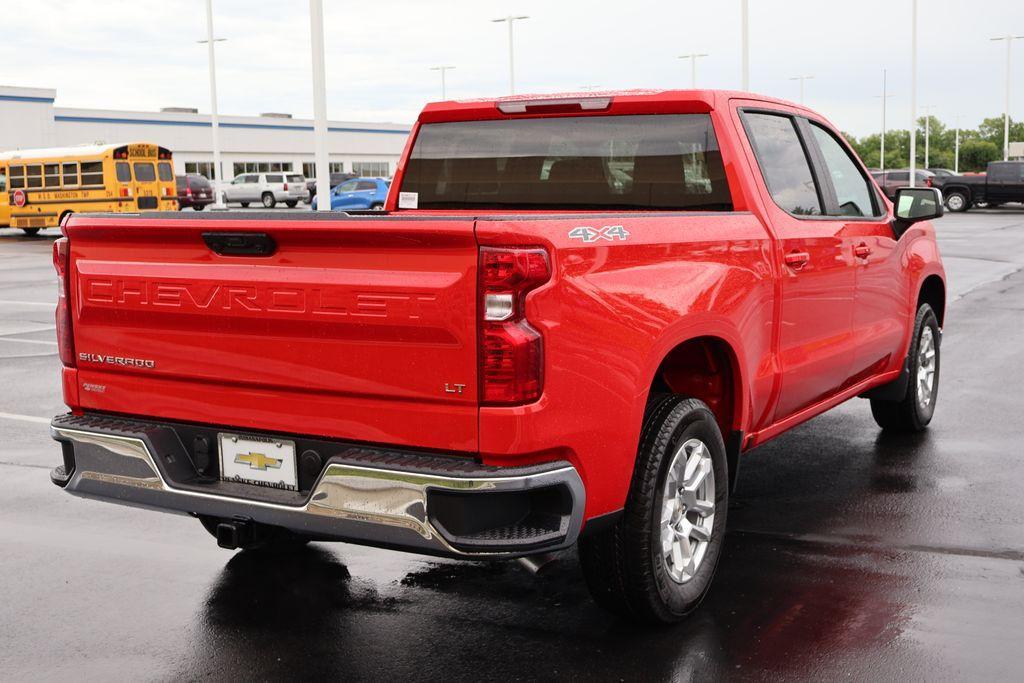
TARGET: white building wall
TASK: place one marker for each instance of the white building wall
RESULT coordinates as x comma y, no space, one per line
28,119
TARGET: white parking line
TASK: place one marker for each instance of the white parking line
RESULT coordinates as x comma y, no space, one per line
44,304
25,418
34,341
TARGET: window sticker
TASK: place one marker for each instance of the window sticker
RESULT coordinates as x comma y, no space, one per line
408,200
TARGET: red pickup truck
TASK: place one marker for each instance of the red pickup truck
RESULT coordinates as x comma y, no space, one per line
574,315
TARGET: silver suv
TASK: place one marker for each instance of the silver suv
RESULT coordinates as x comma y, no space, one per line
267,188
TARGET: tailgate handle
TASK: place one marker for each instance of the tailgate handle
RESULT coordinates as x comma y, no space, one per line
240,243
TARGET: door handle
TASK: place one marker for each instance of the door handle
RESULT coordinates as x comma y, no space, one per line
797,259
862,250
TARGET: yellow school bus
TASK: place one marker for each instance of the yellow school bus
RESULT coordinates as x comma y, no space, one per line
45,185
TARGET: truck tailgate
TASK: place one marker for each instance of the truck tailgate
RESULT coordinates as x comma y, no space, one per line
360,328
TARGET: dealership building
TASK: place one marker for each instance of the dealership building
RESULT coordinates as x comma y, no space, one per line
268,142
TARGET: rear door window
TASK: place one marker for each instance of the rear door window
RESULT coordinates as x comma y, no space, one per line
784,164
165,172
366,185
144,172
669,161
51,175
275,179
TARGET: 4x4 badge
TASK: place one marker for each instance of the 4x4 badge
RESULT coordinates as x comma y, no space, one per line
608,232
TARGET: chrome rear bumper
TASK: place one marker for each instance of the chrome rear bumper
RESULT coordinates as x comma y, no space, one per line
408,501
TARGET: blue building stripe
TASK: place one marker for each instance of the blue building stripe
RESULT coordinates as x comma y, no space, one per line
22,98
207,124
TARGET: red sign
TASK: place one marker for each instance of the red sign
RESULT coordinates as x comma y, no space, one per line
19,198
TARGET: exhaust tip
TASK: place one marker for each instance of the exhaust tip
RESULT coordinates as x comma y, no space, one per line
538,564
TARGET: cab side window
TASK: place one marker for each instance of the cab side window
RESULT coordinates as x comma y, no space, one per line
853,193
783,162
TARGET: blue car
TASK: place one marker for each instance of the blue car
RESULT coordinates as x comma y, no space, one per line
358,193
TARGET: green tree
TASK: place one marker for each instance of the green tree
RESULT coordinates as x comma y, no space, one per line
975,154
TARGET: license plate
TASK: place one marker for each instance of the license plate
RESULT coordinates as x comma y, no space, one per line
259,461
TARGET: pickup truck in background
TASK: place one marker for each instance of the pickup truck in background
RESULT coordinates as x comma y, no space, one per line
572,317
1002,183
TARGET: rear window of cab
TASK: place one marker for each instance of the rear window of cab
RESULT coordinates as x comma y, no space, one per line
659,162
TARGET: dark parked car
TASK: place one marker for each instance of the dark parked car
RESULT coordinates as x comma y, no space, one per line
1004,182
890,181
942,171
336,179
194,191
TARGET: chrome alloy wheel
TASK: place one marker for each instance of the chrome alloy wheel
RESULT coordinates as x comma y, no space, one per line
955,202
926,368
688,510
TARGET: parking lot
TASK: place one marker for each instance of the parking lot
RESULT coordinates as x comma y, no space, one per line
849,553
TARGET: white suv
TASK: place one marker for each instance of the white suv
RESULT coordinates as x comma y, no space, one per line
267,188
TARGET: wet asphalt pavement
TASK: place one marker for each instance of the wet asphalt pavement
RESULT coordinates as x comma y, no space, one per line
849,554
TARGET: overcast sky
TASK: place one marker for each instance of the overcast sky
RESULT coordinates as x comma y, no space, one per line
143,55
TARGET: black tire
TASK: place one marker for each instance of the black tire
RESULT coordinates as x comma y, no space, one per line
908,414
31,232
291,205
377,207
198,207
624,565
265,538
957,201
245,205
268,200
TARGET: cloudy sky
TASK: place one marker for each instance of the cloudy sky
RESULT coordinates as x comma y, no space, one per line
143,55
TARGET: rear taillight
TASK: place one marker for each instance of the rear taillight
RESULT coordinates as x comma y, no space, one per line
65,341
286,187
126,191
511,351
188,191
928,181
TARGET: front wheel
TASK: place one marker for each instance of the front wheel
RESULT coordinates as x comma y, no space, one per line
198,207
957,202
915,409
268,201
656,564
31,232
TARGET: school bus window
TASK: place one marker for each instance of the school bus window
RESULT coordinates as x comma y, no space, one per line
124,173
144,172
34,175
70,173
17,177
51,175
166,174
92,173
3,182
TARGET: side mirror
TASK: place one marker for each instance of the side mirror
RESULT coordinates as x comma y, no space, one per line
915,204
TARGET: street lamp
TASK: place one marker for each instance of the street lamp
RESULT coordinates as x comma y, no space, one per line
510,19
1006,110
801,79
745,40
218,172
884,97
442,69
913,92
956,148
927,129
693,57
323,168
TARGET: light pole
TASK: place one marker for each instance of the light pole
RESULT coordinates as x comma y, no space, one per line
745,33
218,172
927,129
881,145
323,168
693,57
913,93
956,147
1006,110
442,69
801,79
511,19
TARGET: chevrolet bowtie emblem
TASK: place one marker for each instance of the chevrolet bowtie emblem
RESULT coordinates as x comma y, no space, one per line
258,461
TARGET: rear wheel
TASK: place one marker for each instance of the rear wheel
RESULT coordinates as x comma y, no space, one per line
957,202
268,201
199,207
377,207
915,409
245,205
31,232
656,564
260,537
291,205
